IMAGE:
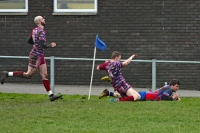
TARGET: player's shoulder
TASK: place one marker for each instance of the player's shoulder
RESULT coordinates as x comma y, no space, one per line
165,87
116,63
38,29
105,64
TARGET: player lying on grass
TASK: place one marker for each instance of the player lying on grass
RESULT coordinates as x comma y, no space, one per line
167,92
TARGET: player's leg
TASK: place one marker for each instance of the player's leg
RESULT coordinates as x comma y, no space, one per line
43,73
118,95
143,95
27,74
4,75
21,74
129,93
105,93
32,67
115,94
134,93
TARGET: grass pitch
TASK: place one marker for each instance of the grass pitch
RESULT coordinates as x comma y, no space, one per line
33,113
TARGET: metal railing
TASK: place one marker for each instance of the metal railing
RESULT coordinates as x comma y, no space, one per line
52,65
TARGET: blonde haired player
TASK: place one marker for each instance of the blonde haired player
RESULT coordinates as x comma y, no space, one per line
36,58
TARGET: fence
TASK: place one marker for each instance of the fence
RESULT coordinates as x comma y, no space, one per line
52,66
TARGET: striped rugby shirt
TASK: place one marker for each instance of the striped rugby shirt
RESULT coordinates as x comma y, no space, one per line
159,93
114,71
38,34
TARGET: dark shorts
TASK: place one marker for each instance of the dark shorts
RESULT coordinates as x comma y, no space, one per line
143,95
123,88
36,61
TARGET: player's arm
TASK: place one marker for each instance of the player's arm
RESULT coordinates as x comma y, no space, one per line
42,41
165,95
101,66
98,67
44,45
167,98
160,89
126,62
163,87
179,99
175,97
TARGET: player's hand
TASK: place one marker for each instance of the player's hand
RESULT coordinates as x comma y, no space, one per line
117,95
134,55
53,44
179,99
175,96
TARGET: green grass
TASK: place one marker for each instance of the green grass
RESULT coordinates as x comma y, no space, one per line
31,113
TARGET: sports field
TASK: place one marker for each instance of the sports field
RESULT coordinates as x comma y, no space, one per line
33,113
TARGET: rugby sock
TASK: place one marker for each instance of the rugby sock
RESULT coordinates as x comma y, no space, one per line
128,98
50,93
47,87
111,94
16,73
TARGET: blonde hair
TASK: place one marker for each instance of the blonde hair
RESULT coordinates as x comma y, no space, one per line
37,19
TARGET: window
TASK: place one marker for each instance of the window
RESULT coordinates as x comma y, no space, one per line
75,7
13,7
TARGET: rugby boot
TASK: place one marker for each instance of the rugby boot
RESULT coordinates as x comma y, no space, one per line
104,93
54,97
4,75
106,78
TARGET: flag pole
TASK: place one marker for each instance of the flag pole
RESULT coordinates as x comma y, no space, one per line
92,73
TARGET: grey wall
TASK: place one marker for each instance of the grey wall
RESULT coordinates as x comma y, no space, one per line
153,29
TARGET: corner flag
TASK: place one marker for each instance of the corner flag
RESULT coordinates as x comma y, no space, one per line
102,46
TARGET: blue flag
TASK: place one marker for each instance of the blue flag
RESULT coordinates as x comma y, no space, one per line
100,44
